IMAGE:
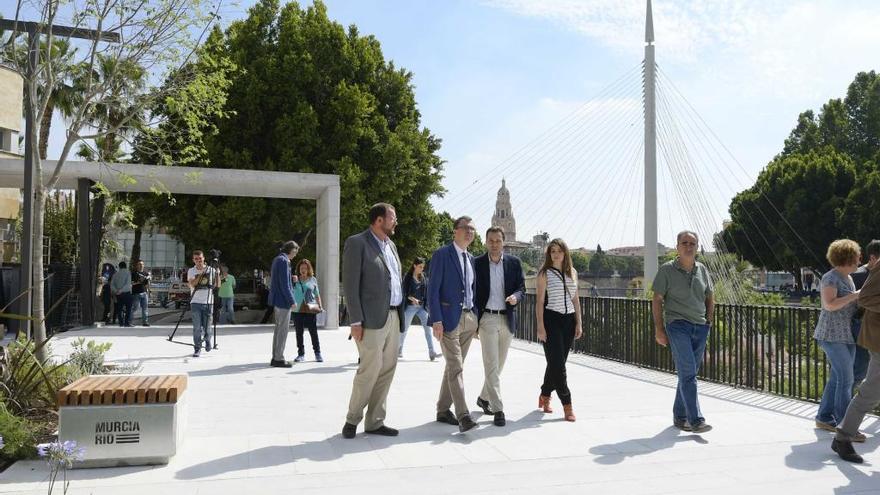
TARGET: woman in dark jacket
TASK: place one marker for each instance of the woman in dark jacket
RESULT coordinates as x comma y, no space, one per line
415,288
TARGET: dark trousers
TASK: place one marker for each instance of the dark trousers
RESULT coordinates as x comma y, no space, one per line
304,321
123,308
106,302
560,335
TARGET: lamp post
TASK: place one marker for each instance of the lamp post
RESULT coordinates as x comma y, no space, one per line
33,30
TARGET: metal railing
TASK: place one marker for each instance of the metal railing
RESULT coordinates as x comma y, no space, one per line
764,348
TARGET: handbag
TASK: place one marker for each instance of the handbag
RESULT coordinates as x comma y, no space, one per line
308,305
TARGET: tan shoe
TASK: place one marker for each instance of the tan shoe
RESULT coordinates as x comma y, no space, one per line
859,437
826,426
544,403
569,413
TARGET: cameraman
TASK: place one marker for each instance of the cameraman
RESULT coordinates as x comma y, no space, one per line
140,292
202,280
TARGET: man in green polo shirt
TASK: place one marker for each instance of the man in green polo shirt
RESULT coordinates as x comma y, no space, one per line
227,296
683,299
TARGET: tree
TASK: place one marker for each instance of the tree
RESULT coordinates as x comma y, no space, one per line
789,216
311,96
824,185
157,35
580,261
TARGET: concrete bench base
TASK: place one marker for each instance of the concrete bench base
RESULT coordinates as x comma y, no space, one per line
124,435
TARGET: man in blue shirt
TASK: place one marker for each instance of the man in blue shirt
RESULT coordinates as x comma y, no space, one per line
281,297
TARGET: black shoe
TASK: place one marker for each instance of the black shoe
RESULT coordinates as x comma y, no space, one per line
208,347
384,431
499,419
197,352
466,423
349,430
280,364
846,451
681,424
145,324
447,417
484,405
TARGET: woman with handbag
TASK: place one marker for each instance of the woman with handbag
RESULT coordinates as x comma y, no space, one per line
559,323
308,305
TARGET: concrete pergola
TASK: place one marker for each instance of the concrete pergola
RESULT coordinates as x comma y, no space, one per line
137,178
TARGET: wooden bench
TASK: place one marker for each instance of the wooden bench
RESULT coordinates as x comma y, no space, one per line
123,420
117,390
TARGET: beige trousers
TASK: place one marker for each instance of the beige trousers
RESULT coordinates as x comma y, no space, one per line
495,339
455,345
378,353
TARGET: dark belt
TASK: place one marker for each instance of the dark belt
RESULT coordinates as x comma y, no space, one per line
466,310
496,311
393,308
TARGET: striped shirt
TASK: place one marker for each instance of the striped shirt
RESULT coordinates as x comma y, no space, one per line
559,295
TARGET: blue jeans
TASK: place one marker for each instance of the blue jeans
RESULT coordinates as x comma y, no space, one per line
838,389
141,300
417,310
860,365
201,316
227,310
687,341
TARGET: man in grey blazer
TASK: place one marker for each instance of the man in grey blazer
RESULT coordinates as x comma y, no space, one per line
371,277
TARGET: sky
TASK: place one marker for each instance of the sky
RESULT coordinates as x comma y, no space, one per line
547,94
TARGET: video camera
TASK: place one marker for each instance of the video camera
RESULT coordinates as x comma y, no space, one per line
214,254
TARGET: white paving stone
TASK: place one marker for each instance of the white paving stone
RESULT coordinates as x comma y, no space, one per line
255,429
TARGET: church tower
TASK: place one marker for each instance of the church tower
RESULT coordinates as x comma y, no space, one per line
503,216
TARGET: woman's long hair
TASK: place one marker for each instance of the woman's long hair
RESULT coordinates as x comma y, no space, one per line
566,260
418,261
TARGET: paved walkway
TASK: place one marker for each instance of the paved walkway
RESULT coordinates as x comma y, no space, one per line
261,430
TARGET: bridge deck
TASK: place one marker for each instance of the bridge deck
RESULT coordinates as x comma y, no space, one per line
255,429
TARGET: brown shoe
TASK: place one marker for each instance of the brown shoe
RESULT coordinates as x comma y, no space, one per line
826,426
569,414
544,403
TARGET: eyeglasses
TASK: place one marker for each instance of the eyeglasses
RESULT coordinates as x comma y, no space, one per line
686,243
466,227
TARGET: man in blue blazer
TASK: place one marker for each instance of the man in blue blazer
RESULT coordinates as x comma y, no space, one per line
451,302
499,287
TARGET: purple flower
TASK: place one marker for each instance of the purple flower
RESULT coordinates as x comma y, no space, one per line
43,449
1,442
60,454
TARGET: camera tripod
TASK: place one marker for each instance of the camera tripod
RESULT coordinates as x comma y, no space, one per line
215,309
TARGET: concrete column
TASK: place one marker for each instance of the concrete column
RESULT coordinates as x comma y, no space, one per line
86,270
327,255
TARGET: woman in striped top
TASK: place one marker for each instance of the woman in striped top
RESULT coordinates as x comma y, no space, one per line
559,323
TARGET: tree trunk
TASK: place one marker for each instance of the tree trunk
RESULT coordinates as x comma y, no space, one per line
45,127
39,322
136,246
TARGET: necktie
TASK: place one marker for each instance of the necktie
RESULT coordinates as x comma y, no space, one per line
467,286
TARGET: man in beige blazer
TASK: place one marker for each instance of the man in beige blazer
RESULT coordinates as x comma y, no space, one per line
371,277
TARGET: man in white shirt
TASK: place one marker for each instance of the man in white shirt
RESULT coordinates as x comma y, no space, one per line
202,280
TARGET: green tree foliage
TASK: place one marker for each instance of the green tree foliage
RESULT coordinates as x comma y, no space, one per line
309,96
60,223
824,185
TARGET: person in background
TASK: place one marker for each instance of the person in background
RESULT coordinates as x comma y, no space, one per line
227,295
140,292
281,298
305,290
120,284
415,291
107,272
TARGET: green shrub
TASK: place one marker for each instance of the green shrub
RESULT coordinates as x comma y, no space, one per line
87,358
19,436
28,386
